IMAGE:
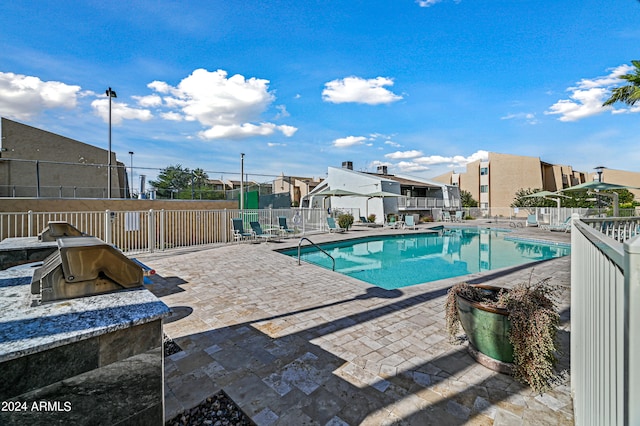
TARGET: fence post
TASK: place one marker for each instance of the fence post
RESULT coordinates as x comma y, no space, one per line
107,226
161,230
151,231
632,330
30,222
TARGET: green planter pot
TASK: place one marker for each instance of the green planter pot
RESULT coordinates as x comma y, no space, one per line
488,332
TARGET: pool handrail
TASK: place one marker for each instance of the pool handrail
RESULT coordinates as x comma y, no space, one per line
333,268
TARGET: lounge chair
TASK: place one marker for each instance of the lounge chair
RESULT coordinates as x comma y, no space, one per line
446,217
562,227
239,233
458,217
409,222
331,222
392,222
532,220
257,231
282,222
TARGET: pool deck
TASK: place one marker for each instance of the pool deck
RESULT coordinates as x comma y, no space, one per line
302,345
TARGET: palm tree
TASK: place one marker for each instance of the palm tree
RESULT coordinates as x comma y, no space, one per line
200,179
629,94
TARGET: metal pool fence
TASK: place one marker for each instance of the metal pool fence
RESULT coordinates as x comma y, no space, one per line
153,230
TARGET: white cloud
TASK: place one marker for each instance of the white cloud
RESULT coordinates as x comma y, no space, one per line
404,154
282,111
587,97
228,106
172,116
359,90
148,101
271,144
22,97
456,160
349,141
119,111
530,118
427,3
410,166
240,131
393,144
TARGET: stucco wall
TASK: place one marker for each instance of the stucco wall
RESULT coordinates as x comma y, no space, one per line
84,165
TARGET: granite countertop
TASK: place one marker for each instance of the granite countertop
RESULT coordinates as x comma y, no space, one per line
27,326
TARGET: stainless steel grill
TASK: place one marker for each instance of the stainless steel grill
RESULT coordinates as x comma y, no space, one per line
57,229
84,266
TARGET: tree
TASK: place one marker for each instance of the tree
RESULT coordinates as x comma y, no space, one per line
172,180
200,180
629,94
521,199
467,199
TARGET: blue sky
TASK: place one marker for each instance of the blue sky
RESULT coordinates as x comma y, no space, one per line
420,86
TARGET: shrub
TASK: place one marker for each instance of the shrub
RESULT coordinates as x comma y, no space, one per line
534,326
371,218
345,220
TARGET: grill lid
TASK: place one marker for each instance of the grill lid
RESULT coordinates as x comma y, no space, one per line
84,266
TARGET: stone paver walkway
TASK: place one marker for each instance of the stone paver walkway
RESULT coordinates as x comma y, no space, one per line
301,345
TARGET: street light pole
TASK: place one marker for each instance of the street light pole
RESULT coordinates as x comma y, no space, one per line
599,170
131,190
110,94
242,181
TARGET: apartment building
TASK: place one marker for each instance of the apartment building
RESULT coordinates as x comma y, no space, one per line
494,182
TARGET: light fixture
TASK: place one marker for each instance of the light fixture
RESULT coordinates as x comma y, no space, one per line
110,94
599,169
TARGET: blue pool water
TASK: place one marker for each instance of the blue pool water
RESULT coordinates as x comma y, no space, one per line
397,261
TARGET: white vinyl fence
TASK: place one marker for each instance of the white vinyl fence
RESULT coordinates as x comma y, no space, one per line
151,230
605,327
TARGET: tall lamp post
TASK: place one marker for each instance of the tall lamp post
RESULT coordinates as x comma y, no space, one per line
599,170
242,181
131,190
110,94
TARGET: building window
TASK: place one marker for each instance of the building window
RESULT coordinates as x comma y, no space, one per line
484,188
484,171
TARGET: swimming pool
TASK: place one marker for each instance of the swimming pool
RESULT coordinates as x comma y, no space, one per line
396,261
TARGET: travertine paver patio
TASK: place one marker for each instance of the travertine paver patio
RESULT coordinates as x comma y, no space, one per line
297,345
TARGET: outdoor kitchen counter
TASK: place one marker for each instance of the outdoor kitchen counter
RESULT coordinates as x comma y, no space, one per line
28,327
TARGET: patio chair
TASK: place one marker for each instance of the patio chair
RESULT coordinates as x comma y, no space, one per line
257,231
282,222
239,233
562,227
458,217
331,222
392,222
446,217
409,222
532,220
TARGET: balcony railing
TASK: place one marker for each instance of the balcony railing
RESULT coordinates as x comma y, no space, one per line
425,203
